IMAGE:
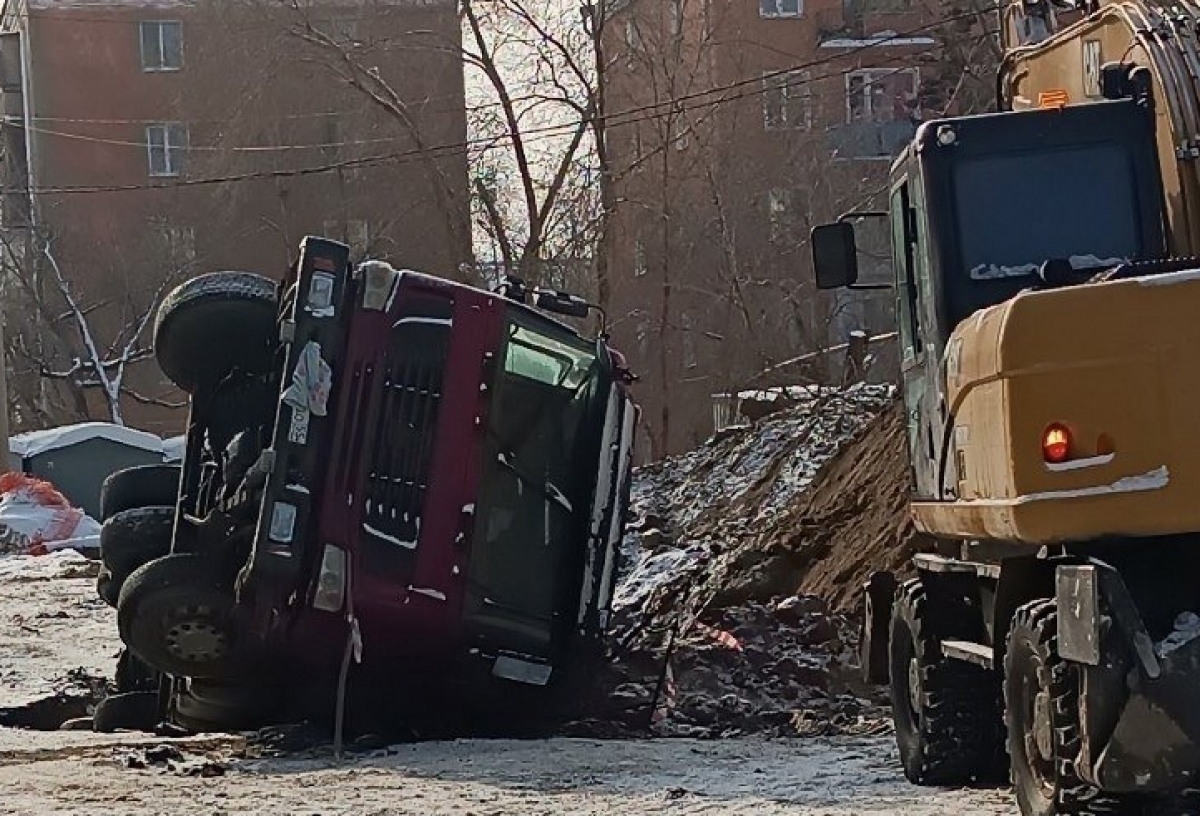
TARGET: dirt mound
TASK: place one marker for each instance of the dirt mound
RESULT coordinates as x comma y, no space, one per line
855,520
738,552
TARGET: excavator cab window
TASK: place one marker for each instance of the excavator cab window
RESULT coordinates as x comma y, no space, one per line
900,217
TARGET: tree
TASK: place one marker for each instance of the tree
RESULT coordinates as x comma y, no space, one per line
60,336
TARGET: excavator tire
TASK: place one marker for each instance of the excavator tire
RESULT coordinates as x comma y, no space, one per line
946,712
1041,694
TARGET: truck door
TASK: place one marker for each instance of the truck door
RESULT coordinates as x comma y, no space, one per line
913,335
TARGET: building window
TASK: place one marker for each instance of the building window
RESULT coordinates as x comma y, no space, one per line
780,8
166,147
787,215
882,95
787,101
162,46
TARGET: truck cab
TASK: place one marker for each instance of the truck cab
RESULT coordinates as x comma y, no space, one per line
385,470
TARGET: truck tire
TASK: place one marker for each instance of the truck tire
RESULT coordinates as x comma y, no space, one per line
134,537
205,706
214,323
135,711
946,712
1041,695
143,486
176,614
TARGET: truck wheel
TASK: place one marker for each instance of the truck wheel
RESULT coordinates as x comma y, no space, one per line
134,537
135,711
143,486
205,706
176,614
214,323
1041,693
946,712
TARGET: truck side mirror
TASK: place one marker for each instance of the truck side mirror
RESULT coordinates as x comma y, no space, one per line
835,256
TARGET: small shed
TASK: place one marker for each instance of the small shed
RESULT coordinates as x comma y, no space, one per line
78,458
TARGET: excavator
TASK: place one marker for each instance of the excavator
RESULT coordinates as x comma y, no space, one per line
1048,300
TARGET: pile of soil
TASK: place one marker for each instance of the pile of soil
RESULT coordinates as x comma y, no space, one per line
739,552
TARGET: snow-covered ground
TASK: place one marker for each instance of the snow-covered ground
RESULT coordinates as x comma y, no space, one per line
80,775
51,625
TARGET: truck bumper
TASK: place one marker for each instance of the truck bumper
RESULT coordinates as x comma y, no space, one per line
1155,744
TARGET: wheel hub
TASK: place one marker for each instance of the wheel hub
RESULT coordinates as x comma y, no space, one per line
1043,731
195,637
914,685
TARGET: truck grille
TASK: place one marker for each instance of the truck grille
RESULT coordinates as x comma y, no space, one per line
399,443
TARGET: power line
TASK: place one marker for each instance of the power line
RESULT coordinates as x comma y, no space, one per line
620,118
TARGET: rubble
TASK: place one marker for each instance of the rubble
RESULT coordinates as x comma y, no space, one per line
743,561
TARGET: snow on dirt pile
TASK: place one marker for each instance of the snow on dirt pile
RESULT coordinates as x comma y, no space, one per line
742,558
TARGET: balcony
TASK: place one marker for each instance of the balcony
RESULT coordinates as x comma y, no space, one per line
870,140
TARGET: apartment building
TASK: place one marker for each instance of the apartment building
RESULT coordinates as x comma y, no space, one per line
152,140
737,125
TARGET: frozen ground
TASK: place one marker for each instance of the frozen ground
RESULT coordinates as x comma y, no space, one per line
51,626
80,775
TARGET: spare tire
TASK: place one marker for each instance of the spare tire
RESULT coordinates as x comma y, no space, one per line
141,486
215,323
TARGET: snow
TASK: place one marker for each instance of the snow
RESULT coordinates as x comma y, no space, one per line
1080,464
173,448
1153,480
883,38
726,472
429,321
51,622
996,271
428,593
35,443
1187,629
408,545
1170,278
84,775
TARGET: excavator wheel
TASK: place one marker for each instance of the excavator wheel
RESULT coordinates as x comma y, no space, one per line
946,712
1041,693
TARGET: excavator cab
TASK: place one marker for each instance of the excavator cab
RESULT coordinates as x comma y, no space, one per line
1049,374
984,207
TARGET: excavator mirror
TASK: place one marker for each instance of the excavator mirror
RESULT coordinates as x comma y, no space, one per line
835,256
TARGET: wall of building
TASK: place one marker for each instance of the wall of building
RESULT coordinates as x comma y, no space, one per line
262,94
771,125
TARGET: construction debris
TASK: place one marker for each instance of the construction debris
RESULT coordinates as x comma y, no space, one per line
744,558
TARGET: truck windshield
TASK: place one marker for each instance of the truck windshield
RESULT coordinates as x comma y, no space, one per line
538,469
1018,210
